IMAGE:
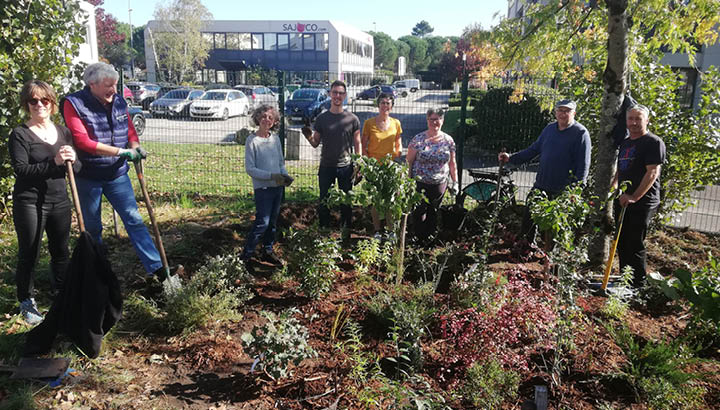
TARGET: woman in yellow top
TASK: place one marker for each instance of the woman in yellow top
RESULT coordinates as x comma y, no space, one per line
381,136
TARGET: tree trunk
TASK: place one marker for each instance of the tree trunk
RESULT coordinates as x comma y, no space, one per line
615,83
399,268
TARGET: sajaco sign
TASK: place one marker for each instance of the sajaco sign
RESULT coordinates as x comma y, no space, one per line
303,27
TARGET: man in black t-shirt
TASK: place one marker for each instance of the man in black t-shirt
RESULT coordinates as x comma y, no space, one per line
639,160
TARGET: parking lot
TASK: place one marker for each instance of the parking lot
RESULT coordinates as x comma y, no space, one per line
410,111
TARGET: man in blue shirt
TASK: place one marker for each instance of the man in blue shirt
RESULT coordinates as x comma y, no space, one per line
564,151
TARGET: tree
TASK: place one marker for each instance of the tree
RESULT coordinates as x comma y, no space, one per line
38,40
418,57
422,29
179,45
111,39
386,50
617,38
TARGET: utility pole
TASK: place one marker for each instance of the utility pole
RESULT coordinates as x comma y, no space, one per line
132,50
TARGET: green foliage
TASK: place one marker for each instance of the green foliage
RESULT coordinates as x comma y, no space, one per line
21,399
653,362
479,287
701,289
487,385
38,40
663,395
214,293
280,341
312,259
616,305
363,365
141,314
497,114
562,216
262,76
371,253
422,29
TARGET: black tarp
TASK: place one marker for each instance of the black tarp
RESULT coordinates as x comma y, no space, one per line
87,307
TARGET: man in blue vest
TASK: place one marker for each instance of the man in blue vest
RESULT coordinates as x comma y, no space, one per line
105,139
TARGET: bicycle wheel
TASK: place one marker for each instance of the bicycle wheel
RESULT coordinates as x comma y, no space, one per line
481,191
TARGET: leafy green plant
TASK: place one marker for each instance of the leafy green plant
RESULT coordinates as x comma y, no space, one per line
363,365
616,305
312,259
652,362
282,340
214,293
371,253
701,289
562,216
386,185
664,395
487,385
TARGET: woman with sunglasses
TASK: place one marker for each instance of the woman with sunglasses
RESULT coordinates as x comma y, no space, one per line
431,159
38,151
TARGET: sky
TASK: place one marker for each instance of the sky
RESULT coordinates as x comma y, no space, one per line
393,17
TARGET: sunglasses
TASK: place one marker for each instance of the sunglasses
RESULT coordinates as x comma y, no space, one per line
44,100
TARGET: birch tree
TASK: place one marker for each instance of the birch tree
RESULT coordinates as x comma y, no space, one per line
179,45
619,38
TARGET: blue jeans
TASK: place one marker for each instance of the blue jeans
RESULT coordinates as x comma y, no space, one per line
267,208
326,179
120,193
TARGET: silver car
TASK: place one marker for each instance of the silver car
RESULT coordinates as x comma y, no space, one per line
258,95
175,103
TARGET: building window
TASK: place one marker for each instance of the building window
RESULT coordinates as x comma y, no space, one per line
244,41
257,41
233,41
295,41
308,41
270,41
208,38
220,40
283,41
321,41
686,93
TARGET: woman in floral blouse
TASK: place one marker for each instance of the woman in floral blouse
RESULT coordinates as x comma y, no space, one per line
431,158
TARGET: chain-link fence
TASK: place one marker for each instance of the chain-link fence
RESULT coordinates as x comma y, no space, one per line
197,144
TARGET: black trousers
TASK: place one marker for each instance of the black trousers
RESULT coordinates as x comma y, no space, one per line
528,229
31,220
424,216
631,246
326,179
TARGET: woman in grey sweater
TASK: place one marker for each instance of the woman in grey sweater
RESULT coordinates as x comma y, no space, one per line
265,164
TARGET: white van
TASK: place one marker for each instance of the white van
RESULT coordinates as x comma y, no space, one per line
402,86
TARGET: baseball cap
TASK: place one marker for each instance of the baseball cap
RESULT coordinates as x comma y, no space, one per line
566,103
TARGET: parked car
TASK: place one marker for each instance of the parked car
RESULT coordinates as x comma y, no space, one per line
220,104
165,88
144,93
276,90
258,94
412,84
217,86
175,103
306,104
373,92
127,95
138,119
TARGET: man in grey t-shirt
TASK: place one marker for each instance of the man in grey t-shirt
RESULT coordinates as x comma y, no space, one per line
339,132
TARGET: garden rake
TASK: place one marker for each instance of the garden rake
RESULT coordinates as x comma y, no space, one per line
613,248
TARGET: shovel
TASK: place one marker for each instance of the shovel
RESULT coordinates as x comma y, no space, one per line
613,248
172,283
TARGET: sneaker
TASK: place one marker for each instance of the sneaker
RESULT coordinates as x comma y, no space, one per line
30,312
271,258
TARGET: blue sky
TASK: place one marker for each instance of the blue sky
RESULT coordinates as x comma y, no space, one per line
394,17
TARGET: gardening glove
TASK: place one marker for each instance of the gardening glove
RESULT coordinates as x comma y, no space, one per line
129,154
453,188
288,179
141,151
278,179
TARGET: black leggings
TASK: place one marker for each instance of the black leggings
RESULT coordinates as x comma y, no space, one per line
424,216
31,220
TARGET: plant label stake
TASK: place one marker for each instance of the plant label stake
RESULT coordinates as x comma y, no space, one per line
613,248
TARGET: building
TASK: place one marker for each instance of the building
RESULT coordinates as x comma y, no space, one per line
88,49
313,50
707,56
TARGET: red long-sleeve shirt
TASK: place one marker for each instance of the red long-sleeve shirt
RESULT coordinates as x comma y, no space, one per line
81,138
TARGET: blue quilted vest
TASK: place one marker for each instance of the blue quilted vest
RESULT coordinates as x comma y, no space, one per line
110,130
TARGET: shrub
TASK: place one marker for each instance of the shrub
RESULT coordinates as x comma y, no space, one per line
487,385
280,341
371,253
502,123
312,260
663,395
214,293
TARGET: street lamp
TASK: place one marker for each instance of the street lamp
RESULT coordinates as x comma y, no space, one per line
132,55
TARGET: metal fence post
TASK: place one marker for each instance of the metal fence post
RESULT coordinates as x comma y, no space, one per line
281,108
463,126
